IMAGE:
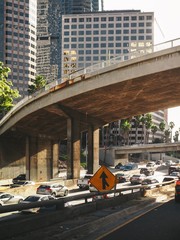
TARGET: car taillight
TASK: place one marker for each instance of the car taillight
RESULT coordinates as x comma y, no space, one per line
48,189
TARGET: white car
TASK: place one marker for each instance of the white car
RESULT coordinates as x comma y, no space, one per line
137,178
54,189
8,198
36,198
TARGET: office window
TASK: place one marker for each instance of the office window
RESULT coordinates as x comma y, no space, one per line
125,25
110,44
148,30
73,39
103,32
126,18
149,17
118,38
73,45
110,31
110,25
118,31
95,39
88,25
81,58
141,30
73,26
126,31
81,26
66,26
96,45
103,19
103,58
66,33
80,45
81,52
66,20
66,45
88,39
95,25
126,38
81,32
95,58
96,32
81,19
111,19
133,24
118,51
81,39
88,51
148,24
148,37
73,33
95,51
96,19
118,25
133,31
141,24
103,45
103,39
141,18
118,19
88,58
103,51
88,19
111,38
133,18
66,39
74,20
133,38
88,45
141,38
103,25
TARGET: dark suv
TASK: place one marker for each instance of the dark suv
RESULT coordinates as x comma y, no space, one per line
19,178
147,171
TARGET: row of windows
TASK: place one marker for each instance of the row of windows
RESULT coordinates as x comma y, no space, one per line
110,25
110,19
16,13
133,38
20,35
15,19
15,56
104,32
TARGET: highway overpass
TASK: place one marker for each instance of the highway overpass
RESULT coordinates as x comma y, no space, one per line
33,129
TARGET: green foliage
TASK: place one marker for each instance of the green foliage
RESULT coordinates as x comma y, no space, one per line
7,94
37,84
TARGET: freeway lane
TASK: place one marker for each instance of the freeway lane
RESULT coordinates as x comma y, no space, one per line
162,223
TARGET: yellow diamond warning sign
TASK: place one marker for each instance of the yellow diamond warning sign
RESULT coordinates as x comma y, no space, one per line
103,179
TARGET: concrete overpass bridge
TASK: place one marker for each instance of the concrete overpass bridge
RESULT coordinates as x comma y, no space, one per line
31,131
117,154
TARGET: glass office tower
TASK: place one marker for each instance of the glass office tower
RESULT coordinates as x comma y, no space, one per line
18,41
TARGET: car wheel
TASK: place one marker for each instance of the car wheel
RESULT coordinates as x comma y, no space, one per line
53,194
66,193
20,200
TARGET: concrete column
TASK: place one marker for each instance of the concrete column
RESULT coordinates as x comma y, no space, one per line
55,160
73,148
27,159
93,149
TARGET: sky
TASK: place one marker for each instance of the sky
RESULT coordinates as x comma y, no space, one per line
166,27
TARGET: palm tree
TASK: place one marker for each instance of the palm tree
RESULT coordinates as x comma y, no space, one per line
154,129
137,122
167,134
126,126
171,125
148,125
162,126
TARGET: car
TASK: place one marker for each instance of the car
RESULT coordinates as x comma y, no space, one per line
8,198
168,162
159,162
37,198
21,184
19,178
147,171
118,166
177,161
169,179
149,181
54,189
150,164
176,174
137,178
122,177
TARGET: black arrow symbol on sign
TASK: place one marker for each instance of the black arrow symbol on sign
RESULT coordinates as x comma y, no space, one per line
104,182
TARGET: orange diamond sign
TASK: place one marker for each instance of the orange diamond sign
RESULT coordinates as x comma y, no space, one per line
103,179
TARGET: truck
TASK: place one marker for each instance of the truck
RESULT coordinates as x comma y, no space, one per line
83,183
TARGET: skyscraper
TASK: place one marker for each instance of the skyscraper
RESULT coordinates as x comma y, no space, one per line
49,23
18,41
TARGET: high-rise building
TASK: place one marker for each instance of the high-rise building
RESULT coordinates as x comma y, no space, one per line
89,38
49,23
18,41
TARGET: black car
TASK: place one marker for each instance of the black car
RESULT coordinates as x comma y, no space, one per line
19,178
147,171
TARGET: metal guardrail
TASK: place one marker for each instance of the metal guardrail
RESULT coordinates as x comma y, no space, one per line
60,203
94,68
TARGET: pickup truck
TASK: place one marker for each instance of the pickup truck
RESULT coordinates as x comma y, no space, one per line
83,183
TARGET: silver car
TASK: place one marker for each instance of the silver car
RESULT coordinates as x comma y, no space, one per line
54,189
37,198
8,198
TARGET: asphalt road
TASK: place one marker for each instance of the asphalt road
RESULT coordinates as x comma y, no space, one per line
162,223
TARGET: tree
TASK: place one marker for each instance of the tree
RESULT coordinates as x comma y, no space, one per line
162,126
126,126
148,124
167,134
7,93
171,126
37,84
154,129
137,122
176,136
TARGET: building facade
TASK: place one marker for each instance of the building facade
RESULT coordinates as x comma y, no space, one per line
91,38
18,41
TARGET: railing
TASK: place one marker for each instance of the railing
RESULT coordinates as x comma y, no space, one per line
94,68
60,203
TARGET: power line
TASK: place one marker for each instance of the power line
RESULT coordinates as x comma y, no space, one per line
160,28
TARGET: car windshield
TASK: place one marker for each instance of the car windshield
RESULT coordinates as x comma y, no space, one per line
136,175
32,198
44,186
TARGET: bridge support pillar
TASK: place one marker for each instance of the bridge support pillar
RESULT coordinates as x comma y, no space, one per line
73,148
93,149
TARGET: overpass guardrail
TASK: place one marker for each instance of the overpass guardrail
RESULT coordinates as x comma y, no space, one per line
61,202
